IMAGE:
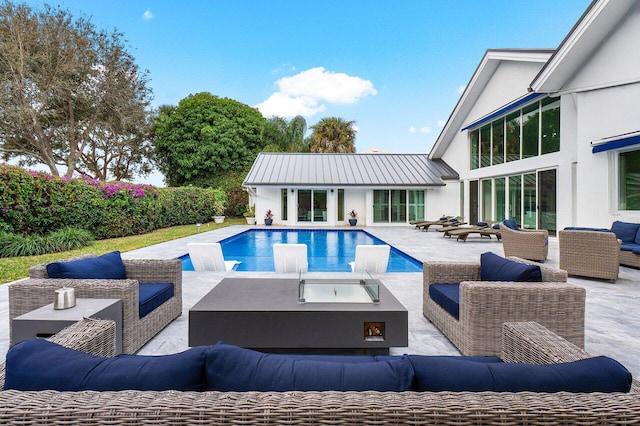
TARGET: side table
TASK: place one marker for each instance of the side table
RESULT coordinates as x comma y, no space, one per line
45,321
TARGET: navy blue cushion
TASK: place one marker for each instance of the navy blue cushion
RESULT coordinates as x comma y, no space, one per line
625,231
496,268
582,228
496,226
637,239
152,295
629,246
230,368
482,224
599,374
443,218
636,250
511,224
41,365
447,296
107,266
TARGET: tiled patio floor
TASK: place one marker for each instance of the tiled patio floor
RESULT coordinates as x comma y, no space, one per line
612,311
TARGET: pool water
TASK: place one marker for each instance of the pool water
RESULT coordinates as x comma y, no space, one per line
328,251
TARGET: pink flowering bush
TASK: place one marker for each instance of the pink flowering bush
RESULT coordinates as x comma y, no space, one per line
35,202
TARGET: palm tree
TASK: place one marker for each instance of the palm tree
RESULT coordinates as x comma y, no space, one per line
333,135
280,135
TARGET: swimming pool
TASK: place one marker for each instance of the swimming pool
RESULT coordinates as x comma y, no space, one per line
328,250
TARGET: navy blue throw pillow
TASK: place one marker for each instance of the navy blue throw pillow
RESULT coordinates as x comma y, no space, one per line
511,224
482,224
107,266
496,268
42,365
230,368
599,374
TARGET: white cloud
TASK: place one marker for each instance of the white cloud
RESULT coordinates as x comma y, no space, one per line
306,93
147,15
441,123
425,129
412,129
461,89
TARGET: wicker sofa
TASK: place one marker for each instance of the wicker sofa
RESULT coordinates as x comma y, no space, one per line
525,243
38,290
523,342
588,253
485,305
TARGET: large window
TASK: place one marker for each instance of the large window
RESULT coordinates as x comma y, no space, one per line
390,206
629,180
528,132
340,204
528,198
283,203
312,205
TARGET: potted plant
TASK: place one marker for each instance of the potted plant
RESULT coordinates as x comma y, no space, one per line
268,217
353,219
250,214
218,211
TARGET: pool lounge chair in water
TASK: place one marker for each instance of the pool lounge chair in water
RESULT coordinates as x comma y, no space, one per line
371,258
290,257
208,257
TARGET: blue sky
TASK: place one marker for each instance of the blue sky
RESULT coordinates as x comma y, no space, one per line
394,67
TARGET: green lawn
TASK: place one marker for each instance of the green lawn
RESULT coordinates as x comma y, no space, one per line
14,268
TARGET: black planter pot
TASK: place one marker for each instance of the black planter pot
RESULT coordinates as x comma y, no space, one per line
268,222
353,222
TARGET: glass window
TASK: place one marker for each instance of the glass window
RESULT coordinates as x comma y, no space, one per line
513,136
497,138
474,141
629,180
398,206
530,130
500,200
486,200
547,200
304,205
529,198
319,206
283,203
550,125
485,146
380,205
340,204
515,198
416,205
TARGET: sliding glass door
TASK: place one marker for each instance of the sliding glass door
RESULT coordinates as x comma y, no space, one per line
312,205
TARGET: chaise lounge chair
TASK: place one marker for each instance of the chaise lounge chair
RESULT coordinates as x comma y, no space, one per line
462,234
371,258
421,223
290,257
208,257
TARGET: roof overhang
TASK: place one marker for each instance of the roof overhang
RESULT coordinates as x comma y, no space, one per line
593,27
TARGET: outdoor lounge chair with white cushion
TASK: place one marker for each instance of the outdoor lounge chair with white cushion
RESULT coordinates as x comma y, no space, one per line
208,257
371,258
290,257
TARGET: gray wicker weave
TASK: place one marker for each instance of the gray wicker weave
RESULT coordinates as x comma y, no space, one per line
628,258
486,305
37,291
336,408
525,243
592,254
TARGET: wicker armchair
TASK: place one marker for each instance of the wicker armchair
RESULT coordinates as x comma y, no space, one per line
592,254
38,290
523,342
525,243
486,305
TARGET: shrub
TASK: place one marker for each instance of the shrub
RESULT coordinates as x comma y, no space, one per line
14,245
237,201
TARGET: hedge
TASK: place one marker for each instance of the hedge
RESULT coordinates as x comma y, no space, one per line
33,202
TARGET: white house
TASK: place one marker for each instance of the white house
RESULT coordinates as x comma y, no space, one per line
552,138
321,189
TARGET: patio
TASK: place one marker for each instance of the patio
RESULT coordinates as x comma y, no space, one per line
611,312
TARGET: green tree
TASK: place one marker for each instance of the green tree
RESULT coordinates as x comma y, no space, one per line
280,135
206,139
70,94
333,135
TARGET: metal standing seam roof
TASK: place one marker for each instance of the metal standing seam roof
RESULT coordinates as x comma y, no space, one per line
298,169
